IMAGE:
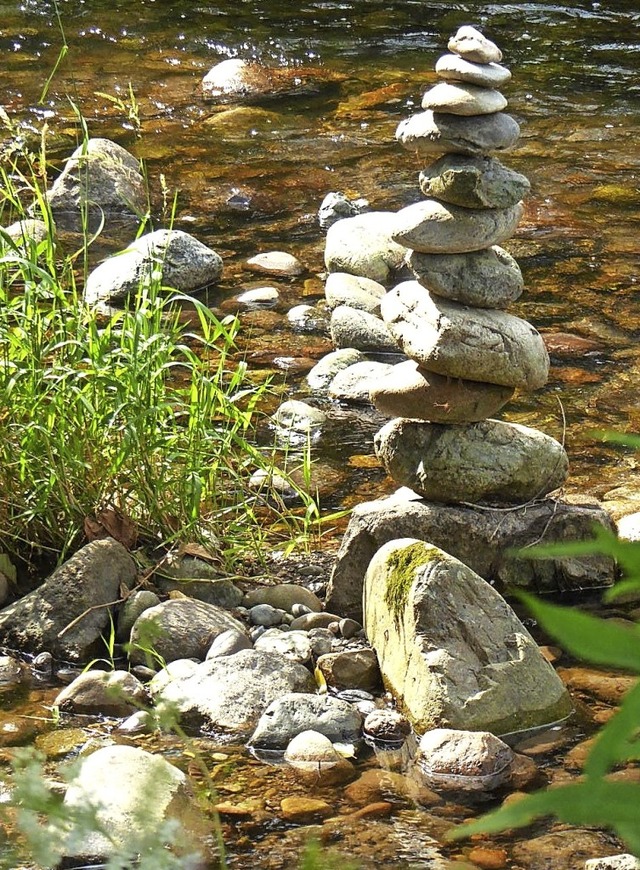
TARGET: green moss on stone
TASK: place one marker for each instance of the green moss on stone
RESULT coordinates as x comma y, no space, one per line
401,574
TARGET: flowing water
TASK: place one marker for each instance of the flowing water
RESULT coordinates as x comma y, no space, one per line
250,182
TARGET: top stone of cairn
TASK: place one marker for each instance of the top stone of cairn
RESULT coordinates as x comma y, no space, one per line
470,44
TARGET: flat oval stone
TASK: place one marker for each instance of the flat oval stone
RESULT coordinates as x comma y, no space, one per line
433,227
351,328
354,383
489,75
361,245
487,462
472,45
409,391
463,99
354,291
490,278
441,132
476,344
473,182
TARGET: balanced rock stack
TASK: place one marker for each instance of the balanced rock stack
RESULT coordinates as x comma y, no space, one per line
466,354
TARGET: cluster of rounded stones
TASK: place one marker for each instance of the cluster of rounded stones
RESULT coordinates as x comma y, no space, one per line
467,354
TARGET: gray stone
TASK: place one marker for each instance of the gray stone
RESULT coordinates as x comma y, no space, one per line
474,761
298,416
561,850
291,645
354,383
229,643
409,391
179,669
460,98
259,296
308,318
357,329
265,614
490,278
613,862
314,758
106,693
628,527
352,669
25,234
353,290
472,45
328,367
284,596
136,603
290,715
475,344
314,620
213,590
278,263
451,650
349,628
336,206
321,640
79,590
11,672
487,462
434,227
473,182
362,245
231,693
134,792
452,67
4,588
493,543
100,181
441,133
180,628
172,257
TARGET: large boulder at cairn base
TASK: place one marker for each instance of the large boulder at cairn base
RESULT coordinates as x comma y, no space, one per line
68,613
175,258
231,693
450,648
434,227
487,540
99,181
473,182
409,391
133,793
362,245
487,462
490,278
476,344
431,132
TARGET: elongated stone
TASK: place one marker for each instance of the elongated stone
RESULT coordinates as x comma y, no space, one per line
490,461
490,278
463,99
473,182
433,227
351,328
451,650
472,45
476,344
437,133
409,391
451,67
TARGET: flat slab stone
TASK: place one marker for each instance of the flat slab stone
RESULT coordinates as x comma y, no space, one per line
451,650
473,182
463,99
409,391
430,133
434,227
489,462
452,67
490,278
362,245
472,45
460,342
488,540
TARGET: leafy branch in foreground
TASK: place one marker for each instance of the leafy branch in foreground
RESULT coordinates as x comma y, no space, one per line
595,799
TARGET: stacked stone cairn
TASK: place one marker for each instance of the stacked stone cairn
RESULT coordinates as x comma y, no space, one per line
467,355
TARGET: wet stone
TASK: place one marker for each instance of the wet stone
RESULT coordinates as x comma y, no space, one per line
354,291
363,246
463,99
354,384
351,328
109,693
452,67
278,263
328,367
431,132
472,45
468,760
473,182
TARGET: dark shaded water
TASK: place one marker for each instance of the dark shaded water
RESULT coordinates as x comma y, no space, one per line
254,183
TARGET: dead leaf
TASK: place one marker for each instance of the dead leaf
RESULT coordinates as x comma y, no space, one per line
199,551
111,522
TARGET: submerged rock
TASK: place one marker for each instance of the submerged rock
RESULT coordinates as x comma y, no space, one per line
328,367
451,650
486,540
77,592
476,761
237,80
106,693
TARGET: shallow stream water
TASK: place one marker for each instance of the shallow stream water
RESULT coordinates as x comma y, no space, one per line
253,182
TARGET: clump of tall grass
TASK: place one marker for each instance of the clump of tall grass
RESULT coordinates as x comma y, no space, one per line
136,411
